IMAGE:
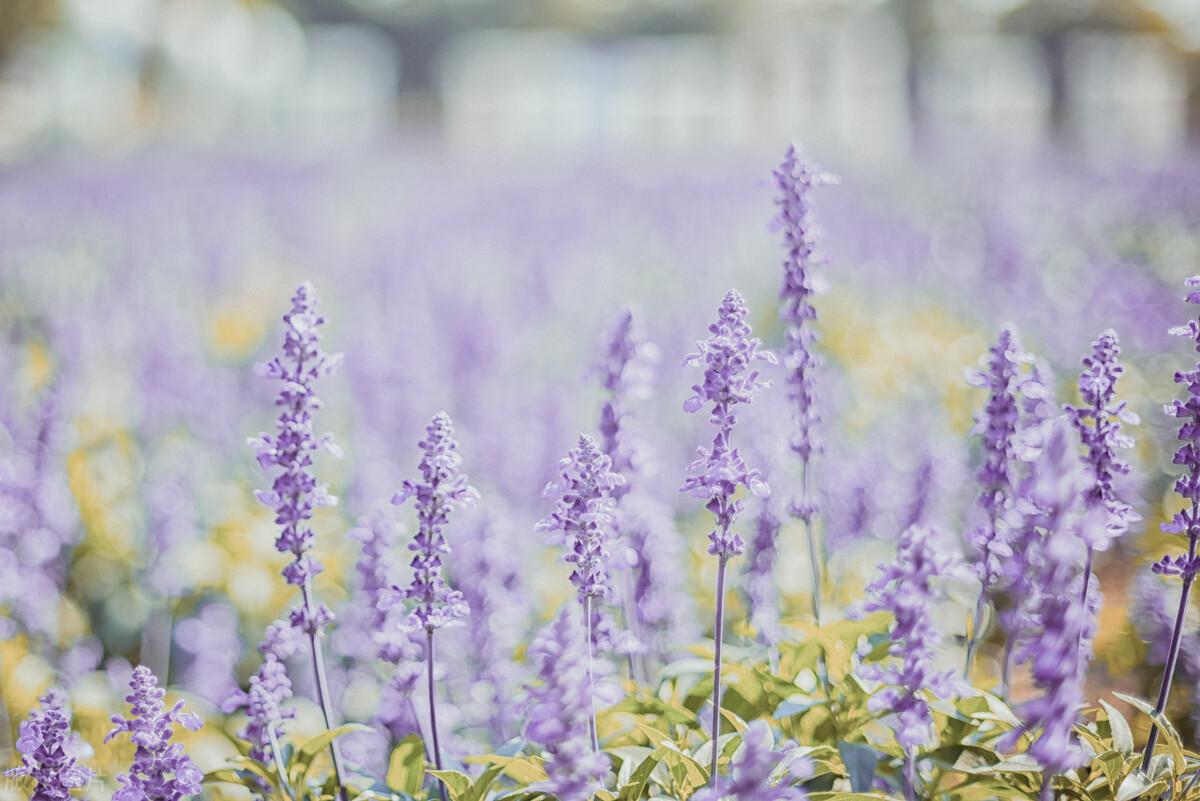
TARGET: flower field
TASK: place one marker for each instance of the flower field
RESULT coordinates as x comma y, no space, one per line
412,478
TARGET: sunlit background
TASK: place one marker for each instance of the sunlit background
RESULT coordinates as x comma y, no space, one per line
475,189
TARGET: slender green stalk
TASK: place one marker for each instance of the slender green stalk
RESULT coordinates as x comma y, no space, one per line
587,613
277,758
718,635
322,687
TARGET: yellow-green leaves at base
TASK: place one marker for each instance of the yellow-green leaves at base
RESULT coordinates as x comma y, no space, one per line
406,766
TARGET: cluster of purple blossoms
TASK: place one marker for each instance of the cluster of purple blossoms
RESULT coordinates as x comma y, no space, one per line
560,708
161,771
906,588
269,687
295,493
1053,652
728,355
391,642
762,592
441,490
582,518
795,180
1098,422
660,600
49,751
759,772
624,369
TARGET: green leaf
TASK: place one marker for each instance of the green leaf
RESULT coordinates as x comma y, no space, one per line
302,764
406,766
636,785
457,784
860,761
1122,736
480,786
848,797
1137,784
1169,734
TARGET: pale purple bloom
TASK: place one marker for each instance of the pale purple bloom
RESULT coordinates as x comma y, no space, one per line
624,369
1098,422
661,600
295,493
560,705
762,591
441,490
269,687
728,356
49,751
582,518
161,771
759,772
795,180
906,588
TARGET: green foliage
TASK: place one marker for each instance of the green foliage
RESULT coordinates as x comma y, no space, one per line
659,750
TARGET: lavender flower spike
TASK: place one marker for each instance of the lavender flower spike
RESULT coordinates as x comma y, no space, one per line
582,521
161,771
1187,520
560,705
48,751
906,589
441,490
295,493
728,355
997,426
624,370
795,181
759,772
1098,422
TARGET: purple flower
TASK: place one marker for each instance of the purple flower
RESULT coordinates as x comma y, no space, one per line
441,490
661,602
1098,422
161,771
624,369
906,589
49,751
762,591
582,518
295,493
1053,653
795,180
560,706
759,772
728,356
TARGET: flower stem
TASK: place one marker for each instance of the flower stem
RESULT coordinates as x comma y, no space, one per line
973,636
277,758
433,729
587,614
718,634
1164,690
910,776
322,687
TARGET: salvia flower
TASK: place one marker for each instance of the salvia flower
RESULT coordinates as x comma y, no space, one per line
560,706
1186,521
728,356
441,490
269,688
582,517
795,180
1098,422
1053,652
295,493
161,771
49,751
762,591
906,588
759,772
661,600
624,369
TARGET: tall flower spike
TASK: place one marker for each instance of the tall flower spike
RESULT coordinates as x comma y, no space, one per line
560,705
582,517
906,589
295,493
161,771
997,426
441,490
1187,520
759,772
762,591
728,356
48,751
624,370
1098,422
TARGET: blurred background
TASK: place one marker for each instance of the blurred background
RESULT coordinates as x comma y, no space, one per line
476,188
